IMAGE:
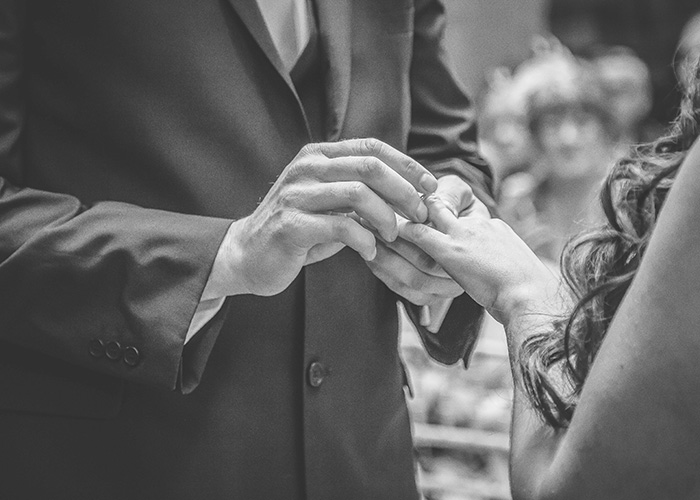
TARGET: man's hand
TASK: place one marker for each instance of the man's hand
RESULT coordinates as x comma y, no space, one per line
412,273
303,217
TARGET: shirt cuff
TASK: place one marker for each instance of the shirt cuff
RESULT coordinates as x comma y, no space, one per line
205,311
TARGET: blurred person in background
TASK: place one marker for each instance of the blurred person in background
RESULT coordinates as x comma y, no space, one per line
504,136
606,402
627,82
651,28
575,138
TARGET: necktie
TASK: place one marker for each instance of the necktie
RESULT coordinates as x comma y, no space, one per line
289,26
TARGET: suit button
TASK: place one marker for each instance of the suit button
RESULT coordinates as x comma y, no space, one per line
131,356
316,374
113,350
96,348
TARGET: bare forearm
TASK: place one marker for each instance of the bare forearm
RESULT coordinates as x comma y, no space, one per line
531,310
533,443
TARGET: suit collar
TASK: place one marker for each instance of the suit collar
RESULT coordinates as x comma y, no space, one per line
334,32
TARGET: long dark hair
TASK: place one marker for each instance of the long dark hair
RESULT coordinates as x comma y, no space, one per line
600,264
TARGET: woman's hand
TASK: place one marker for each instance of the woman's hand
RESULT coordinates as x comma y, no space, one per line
493,265
407,270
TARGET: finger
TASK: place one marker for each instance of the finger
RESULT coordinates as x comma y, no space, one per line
322,229
417,257
376,174
455,193
439,215
322,251
428,239
476,209
405,278
348,197
406,166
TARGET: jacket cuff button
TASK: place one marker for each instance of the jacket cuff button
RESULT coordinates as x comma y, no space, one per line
113,350
96,348
132,357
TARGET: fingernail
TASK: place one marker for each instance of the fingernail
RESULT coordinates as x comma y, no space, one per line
390,236
371,255
428,183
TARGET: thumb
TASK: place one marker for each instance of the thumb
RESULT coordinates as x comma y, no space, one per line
455,193
439,214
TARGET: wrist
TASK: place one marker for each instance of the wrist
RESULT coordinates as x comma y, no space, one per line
539,296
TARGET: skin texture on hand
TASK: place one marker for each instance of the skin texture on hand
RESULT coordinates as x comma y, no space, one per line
303,219
412,273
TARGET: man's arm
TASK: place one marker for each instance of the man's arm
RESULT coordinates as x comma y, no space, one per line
76,279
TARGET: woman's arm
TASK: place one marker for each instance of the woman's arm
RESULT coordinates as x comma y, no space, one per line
636,430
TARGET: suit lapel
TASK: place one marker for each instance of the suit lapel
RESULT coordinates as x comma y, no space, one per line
250,14
334,29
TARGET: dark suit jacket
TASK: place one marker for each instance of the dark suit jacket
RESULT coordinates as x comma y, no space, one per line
131,133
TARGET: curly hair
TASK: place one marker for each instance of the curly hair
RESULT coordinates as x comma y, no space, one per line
599,265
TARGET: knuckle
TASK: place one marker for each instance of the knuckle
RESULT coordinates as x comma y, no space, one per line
296,169
289,198
310,149
303,168
465,198
420,230
370,146
472,228
467,190
355,191
369,167
413,167
291,222
341,228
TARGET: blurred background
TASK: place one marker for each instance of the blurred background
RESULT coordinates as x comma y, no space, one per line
562,89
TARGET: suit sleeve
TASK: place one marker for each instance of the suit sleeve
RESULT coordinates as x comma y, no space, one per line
89,283
443,137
